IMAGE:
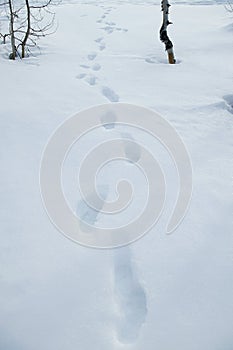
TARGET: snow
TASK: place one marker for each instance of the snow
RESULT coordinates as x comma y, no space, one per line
163,291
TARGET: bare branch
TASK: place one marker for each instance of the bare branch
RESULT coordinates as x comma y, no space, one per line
229,7
41,6
27,24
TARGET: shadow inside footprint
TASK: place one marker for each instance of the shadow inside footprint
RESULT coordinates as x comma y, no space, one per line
110,94
108,29
85,66
130,298
102,46
88,215
131,148
98,40
108,120
91,56
91,80
96,67
81,76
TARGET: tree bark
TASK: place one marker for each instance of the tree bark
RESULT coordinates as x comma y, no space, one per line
27,33
163,32
12,34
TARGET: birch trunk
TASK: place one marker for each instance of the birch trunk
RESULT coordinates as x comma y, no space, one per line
12,33
163,32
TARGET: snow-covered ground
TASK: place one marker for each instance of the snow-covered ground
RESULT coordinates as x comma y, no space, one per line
163,291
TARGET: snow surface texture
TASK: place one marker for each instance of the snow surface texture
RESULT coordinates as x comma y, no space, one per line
162,292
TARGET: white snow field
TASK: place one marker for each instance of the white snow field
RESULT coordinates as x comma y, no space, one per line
163,291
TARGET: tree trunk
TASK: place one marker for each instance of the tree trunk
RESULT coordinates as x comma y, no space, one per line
12,34
24,42
163,32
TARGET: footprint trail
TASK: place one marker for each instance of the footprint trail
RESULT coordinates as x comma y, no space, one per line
88,69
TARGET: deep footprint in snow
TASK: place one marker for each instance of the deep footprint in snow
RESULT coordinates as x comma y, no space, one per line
130,298
88,216
122,29
91,56
98,40
132,149
108,29
85,66
108,120
110,23
102,46
96,67
91,80
110,94
81,76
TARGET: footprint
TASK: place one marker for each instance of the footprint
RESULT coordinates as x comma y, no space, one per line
98,40
108,120
88,215
84,66
122,29
108,29
81,76
91,80
91,56
110,94
130,297
102,46
110,23
96,67
99,21
131,148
